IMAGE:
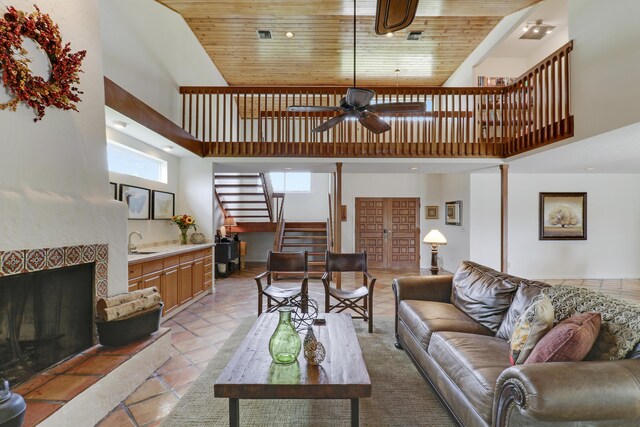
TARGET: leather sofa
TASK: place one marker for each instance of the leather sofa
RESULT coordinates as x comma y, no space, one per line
455,328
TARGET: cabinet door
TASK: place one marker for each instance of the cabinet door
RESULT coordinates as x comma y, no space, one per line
151,280
135,284
198,276
185,283
169,288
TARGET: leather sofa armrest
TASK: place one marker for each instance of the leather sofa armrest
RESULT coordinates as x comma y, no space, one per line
569,391
428,288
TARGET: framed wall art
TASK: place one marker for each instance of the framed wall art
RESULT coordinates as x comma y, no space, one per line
453,212
431,212
137,199
114,190
563,216
164,205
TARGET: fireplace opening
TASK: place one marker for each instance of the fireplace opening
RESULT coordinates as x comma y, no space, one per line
45,317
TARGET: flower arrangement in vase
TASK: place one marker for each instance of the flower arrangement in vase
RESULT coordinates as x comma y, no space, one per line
184,223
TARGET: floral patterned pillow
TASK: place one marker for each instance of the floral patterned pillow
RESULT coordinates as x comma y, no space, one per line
530,327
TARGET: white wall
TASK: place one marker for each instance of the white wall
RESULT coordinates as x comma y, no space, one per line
455,187
54,185
150,51
195,195
258,245
153,231
605,64
312,206
500,67
613,231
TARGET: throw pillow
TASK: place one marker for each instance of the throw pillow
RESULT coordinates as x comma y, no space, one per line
570,341
527,292
530,327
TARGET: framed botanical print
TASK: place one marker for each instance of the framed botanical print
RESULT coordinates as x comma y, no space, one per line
137,199
453,211
164,205
563,216
431,212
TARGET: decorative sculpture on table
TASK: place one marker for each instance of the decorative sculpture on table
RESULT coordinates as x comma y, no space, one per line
305,311
314,351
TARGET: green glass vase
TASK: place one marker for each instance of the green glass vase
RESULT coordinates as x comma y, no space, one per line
183,236
285,343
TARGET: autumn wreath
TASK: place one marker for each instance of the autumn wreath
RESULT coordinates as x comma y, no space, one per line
60,90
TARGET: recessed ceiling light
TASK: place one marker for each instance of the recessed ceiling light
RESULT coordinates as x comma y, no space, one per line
414,168
289,35
590,169
167,149
288,169
389,35
119,125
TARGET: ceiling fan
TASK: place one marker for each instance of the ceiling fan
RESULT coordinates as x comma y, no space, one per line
356,104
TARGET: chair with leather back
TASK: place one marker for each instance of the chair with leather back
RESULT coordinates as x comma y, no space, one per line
360,300
282,262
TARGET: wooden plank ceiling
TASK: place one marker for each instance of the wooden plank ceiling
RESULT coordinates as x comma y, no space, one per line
321,52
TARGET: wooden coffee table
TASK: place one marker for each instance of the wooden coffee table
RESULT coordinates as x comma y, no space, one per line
251,374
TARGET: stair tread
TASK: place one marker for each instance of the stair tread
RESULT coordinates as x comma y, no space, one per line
241,194
219,176
247,209
251,216
315,230
242,201
305,237
238,185
302,245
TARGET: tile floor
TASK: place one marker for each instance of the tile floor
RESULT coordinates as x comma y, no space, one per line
199,332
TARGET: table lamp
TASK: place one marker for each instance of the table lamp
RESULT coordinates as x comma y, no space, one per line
435,239
229,222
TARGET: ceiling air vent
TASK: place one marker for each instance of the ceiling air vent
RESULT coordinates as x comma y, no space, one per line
264,34
414,35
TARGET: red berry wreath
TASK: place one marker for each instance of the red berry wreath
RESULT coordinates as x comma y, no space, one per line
59,91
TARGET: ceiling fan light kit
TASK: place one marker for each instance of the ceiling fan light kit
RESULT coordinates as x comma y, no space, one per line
356,104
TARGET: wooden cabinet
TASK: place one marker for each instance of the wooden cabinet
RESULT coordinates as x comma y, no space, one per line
178,277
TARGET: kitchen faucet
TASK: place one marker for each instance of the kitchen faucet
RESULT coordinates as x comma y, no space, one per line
132,247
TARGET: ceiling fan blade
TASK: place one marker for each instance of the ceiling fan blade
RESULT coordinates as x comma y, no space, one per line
311,108
374,123
357,97
399,107
334,121
394,15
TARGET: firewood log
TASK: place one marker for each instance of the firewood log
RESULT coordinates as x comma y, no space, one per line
120,299
130,308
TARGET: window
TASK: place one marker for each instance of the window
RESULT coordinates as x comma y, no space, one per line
128,161
291,182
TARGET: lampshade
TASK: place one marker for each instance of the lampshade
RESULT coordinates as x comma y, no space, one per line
229,221
434,237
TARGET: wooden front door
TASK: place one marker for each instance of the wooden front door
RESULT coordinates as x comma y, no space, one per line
388,229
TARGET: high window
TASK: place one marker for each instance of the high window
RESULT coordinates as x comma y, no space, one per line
291,182
128,161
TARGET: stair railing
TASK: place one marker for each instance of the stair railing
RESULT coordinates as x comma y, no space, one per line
268,195
279,234
330,226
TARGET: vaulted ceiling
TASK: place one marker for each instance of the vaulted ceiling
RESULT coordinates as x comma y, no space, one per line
321,51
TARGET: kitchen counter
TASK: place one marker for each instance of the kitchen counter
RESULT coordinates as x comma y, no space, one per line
160,252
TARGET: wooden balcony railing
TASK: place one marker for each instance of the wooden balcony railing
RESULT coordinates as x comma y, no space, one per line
459,122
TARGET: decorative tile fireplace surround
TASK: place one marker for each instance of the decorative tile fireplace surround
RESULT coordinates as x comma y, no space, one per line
32,260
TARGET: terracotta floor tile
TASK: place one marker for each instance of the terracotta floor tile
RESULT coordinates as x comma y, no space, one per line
151,387
132,348
63,387
183,389
177,328
33,383
202,354
181,376
200,323
98,365
182,336
38,411
193,344
117,418
153,409
209,330
175,362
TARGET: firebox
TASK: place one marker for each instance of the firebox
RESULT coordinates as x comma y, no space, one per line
45,317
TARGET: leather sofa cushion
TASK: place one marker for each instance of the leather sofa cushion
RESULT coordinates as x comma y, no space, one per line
425,317
527,291
483,294
473,363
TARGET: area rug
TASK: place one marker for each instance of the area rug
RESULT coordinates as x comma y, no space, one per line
401,397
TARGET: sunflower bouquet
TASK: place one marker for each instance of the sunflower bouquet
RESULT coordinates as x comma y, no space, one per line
184,223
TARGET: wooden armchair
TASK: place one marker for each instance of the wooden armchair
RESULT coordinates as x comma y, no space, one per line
282,262
356,262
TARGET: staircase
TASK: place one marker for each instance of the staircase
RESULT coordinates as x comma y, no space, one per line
245,197
306,236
